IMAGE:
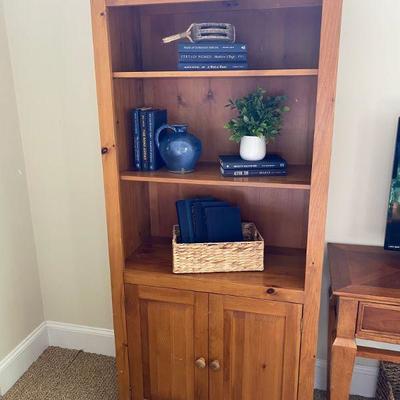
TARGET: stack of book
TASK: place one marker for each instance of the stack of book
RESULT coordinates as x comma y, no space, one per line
212,56
145,122
208,220
271,165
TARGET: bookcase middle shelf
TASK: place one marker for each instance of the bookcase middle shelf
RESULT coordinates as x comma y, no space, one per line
208,173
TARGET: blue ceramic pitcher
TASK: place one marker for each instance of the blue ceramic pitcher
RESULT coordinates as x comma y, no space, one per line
179,149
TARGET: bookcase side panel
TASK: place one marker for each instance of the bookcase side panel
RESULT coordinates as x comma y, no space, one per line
112,187
330,36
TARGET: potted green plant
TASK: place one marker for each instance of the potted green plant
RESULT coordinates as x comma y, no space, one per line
258,123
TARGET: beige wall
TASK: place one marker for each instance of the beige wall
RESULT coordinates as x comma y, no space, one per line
367,111
51,54
20,298
52,61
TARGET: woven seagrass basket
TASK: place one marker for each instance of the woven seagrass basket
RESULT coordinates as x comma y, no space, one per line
388,382
189,258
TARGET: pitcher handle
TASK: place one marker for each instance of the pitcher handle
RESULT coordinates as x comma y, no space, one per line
159,130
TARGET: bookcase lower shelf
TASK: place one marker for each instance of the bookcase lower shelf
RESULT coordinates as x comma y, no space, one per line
282,279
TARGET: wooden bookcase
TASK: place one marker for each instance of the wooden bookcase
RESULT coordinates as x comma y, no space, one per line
257,332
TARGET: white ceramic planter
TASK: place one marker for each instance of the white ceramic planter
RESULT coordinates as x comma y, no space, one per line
253,148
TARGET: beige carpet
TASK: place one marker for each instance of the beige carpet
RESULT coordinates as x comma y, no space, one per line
61,374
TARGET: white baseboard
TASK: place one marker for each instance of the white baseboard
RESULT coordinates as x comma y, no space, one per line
91,340
14,365
363,383
101,341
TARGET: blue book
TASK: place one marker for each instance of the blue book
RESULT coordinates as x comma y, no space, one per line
143,136
212,57
211,66
155,118
253,172
199,218
185,218
137,143
270,161
212,47
223,224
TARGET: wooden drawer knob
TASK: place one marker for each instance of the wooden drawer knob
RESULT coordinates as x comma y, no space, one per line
215,365
200,363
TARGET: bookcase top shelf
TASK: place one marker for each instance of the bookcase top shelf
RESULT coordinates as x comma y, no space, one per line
282,279
216,74
208,173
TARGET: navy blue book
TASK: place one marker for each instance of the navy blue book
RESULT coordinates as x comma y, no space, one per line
185,218
212,57
143,136
271,161
137,143
211,66
155,118
212,47
199,218
223,224
253,172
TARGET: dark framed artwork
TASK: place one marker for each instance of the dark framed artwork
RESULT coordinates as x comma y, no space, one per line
392,240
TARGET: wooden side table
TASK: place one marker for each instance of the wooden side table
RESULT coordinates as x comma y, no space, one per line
365,304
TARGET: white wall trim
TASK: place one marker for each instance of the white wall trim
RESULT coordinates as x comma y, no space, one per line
101,341
91,340
14,364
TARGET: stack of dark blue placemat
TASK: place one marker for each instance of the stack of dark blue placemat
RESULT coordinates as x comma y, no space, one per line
271,165
212,56
208,220
145,122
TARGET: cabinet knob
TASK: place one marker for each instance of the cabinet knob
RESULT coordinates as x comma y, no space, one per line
215,365
200,363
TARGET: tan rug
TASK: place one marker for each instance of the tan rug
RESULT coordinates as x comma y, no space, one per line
61,374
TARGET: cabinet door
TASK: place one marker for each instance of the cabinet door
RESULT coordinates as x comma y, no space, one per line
167,334
254,349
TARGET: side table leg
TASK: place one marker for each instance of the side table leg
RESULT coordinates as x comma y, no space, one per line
343,355
344,348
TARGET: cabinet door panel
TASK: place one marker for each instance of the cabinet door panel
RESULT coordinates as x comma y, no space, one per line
257,345
167,332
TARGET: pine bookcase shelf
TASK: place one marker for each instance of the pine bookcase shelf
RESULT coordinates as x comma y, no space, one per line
215,74
248,335
282,279
298,177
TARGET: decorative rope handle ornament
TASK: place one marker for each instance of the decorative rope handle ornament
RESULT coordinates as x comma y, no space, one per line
206,32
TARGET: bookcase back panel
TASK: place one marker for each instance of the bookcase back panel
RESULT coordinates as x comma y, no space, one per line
135,215
128,95
280,214
276,37
201,103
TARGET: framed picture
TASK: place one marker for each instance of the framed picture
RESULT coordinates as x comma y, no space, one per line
392,240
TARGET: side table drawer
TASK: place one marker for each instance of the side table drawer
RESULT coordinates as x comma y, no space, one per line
379,322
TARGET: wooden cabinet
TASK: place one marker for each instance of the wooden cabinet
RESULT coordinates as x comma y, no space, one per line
167,333
187,345
256,334
257,345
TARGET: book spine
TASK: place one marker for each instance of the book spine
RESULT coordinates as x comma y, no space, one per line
212,48
145,150
151,144
136,140
247,173
211,66
246,166
212,57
